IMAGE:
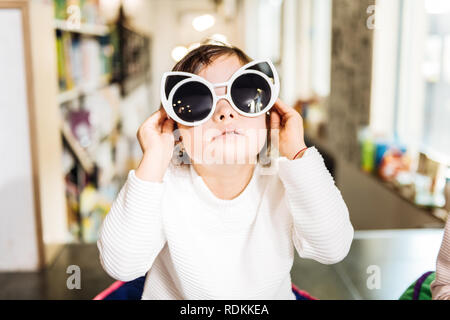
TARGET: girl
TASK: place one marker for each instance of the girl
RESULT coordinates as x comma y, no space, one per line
223,229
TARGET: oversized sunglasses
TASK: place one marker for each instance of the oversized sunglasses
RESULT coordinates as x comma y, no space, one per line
191,100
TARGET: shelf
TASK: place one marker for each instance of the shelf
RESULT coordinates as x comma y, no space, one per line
84,28
75,93
432,209
391,187
86,162
68,95
395,189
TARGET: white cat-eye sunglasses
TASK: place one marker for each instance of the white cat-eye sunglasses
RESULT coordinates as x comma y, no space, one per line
191,100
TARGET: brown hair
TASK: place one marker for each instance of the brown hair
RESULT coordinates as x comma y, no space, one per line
203,55
200,57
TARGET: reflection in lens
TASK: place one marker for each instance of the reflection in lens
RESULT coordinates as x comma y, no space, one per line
192,101
250,93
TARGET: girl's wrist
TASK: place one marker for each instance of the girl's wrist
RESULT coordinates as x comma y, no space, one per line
298,153
150,169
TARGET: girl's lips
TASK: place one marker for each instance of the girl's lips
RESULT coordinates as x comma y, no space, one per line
224,135
228,132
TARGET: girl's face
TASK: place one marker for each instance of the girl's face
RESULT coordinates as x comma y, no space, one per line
228,137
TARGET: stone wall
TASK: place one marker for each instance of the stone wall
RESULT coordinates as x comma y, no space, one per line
351,72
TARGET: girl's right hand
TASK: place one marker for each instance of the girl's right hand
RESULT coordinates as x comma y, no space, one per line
157,142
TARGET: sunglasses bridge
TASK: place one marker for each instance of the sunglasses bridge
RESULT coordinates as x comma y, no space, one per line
218,85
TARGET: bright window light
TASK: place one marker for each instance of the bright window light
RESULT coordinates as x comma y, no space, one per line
178,53
437,6
194,46
276,3
219,37
203,22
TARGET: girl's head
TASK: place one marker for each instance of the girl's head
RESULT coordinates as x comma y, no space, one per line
206,143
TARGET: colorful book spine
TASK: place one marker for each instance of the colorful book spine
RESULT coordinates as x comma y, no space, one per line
67,44
60,9
61,63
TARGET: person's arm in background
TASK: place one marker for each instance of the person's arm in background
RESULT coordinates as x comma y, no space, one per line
440,287
132,235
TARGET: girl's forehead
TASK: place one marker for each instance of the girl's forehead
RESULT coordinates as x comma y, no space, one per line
221,69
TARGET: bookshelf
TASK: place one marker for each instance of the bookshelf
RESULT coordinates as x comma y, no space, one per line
89,29
98,65
85,52
83,157
77,92
86,29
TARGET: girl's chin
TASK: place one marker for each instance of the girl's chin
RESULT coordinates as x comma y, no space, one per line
226,152
226,156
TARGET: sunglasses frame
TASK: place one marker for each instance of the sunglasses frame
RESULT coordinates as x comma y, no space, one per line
167,102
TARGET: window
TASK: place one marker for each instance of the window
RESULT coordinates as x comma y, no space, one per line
296,35
314,48
263,28
436,74
411,75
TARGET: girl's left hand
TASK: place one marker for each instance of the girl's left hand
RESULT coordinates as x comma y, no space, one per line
290,129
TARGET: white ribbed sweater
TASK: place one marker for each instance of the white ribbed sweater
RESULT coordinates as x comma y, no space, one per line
197,246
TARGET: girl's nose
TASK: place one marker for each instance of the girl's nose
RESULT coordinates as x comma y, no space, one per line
224,111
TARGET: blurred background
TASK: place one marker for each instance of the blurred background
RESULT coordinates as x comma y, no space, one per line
370,78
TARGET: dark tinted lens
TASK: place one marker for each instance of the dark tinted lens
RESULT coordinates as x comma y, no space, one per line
250,93
192,101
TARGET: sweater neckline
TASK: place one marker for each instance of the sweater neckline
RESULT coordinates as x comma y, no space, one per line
208,195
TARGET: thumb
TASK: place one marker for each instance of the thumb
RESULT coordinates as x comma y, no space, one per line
168,126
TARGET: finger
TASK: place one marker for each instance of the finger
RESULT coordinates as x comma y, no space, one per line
168,126
275,120
163,116
156,119
282,107
163,112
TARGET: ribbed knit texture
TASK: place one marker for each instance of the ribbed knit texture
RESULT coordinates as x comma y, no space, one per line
440,287
196,246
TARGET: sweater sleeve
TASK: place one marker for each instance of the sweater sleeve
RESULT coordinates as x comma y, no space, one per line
131,235
321,226
440,287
